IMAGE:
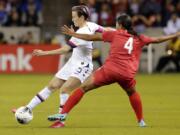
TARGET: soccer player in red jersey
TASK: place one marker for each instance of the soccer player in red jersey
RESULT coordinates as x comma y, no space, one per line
121,65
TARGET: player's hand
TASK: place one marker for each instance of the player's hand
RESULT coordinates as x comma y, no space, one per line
68,31
38,53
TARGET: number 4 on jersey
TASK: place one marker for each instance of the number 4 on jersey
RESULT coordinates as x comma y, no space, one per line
129,45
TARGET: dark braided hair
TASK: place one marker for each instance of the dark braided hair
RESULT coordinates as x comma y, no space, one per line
125,21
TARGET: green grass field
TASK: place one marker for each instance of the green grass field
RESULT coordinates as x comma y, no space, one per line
105,111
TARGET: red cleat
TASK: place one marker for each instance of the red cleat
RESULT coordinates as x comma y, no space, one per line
13,110
57,124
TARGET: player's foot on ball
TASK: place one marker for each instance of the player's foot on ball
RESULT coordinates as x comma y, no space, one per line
142,123
25,109
61,117
57,124
13,110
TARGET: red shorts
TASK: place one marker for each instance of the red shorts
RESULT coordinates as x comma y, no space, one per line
104,76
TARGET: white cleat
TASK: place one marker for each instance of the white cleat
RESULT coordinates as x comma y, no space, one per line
142,124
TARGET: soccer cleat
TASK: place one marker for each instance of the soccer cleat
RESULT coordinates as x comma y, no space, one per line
61,117
57,124
142,123
14,110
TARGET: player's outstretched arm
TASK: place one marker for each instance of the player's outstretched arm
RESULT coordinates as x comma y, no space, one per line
165,38
95,37
59,51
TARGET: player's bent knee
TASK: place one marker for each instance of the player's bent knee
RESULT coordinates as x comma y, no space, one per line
53,86
88,84
87,87
130,91
66,90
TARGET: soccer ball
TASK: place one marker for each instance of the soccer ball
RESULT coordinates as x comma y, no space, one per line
23,115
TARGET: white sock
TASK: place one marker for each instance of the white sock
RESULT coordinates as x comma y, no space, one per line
63,98
39,98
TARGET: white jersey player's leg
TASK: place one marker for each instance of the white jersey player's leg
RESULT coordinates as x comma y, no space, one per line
71,84
56,83
77,77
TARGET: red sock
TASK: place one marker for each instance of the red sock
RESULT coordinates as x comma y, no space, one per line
73,100
136,104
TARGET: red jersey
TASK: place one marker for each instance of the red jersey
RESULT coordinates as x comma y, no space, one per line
125,51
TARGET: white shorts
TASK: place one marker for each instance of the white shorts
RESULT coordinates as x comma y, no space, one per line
80,71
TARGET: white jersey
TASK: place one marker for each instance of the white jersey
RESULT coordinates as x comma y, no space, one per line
82,50
80,64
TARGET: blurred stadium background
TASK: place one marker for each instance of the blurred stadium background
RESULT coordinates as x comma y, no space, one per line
32,24
35,22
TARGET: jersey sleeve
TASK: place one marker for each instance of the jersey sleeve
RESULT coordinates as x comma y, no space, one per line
108,36
74,42
145,40
97,28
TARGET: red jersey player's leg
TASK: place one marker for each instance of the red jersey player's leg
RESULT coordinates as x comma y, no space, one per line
99,78
105,76
129,86
102,77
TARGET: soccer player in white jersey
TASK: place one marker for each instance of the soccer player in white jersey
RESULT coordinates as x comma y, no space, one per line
78,67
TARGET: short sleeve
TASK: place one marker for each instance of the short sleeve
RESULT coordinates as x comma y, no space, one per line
96,28
108,36
99,29
74,42
145,40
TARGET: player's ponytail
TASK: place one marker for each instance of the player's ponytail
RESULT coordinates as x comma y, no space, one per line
132,31
125,21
